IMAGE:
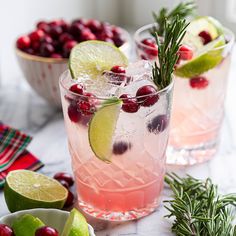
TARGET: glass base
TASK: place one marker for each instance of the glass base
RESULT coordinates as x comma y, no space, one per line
191,155
117,216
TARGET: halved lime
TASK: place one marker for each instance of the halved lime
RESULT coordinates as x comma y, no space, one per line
26,189
26,225
206,58
76,225
91,58
102,127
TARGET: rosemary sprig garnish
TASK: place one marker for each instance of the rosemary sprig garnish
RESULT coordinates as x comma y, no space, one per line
182,10
167,51
198,209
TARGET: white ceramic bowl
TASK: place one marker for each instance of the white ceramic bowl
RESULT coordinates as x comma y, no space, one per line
43,73
51,217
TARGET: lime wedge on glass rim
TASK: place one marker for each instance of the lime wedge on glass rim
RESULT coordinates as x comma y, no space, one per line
76,225
91,58
206,56
102,127
26,189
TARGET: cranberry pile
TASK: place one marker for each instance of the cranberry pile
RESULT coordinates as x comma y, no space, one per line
67,181
55,39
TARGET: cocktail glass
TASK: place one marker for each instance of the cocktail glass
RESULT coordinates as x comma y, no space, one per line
198,108
128,187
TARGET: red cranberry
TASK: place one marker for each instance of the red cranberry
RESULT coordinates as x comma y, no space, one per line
65,37
76,88
64,176
94,25
76,29
129,105
185,52
80,21
70,199
73,113
86,108
55,31
198,82
118,41
56,55
116,31
147,96
46,231
64,183
150,43
46,49
43,26
158,124
5,230
47,39
37,35
36,46
205,36
118,69
121,147
23,42
68,46
87,35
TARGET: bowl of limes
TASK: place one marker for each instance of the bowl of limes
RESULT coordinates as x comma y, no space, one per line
43,222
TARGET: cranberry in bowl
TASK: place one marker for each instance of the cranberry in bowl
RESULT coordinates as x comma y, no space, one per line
43,53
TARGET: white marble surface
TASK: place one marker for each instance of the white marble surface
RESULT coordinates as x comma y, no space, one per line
23,109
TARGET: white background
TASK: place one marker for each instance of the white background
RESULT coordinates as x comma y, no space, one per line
19,16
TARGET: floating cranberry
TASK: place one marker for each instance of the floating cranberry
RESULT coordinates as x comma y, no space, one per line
94,25
64,176
23,42
147,96
70,199
158,124
198,82
130,104
73,113
86,108
65,37
121,147
118,69
87,35
56,55
68,46
76,88
46,49
152,51
149,42
5,230
37,35
185,52
46,231
205,36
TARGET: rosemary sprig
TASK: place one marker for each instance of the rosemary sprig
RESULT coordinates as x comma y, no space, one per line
198,209
183,10
167,51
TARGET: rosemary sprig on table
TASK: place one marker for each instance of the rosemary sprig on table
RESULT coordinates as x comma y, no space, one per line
167,51
182,10
198,209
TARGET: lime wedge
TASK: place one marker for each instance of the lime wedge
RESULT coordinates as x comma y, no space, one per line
91,58
102,127
205,59
26,189
26,225
76,225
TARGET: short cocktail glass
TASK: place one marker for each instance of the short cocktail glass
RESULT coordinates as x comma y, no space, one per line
128,187
198,108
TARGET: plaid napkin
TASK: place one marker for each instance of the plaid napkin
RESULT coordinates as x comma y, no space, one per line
13,153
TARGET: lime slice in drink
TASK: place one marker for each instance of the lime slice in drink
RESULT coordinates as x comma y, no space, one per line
26,189
76,225
91,58
206,58
26,225
102,127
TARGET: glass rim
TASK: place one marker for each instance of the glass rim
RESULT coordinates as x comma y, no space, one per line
137,38
66,73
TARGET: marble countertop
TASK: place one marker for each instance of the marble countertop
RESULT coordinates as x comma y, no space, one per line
23,109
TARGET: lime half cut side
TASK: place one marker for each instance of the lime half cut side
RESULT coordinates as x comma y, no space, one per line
102,128
205,59
91,58
26,189
76,225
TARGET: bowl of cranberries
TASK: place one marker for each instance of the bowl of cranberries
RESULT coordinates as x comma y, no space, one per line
43,53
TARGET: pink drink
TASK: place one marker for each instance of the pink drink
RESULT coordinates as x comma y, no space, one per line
129,187
198,108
